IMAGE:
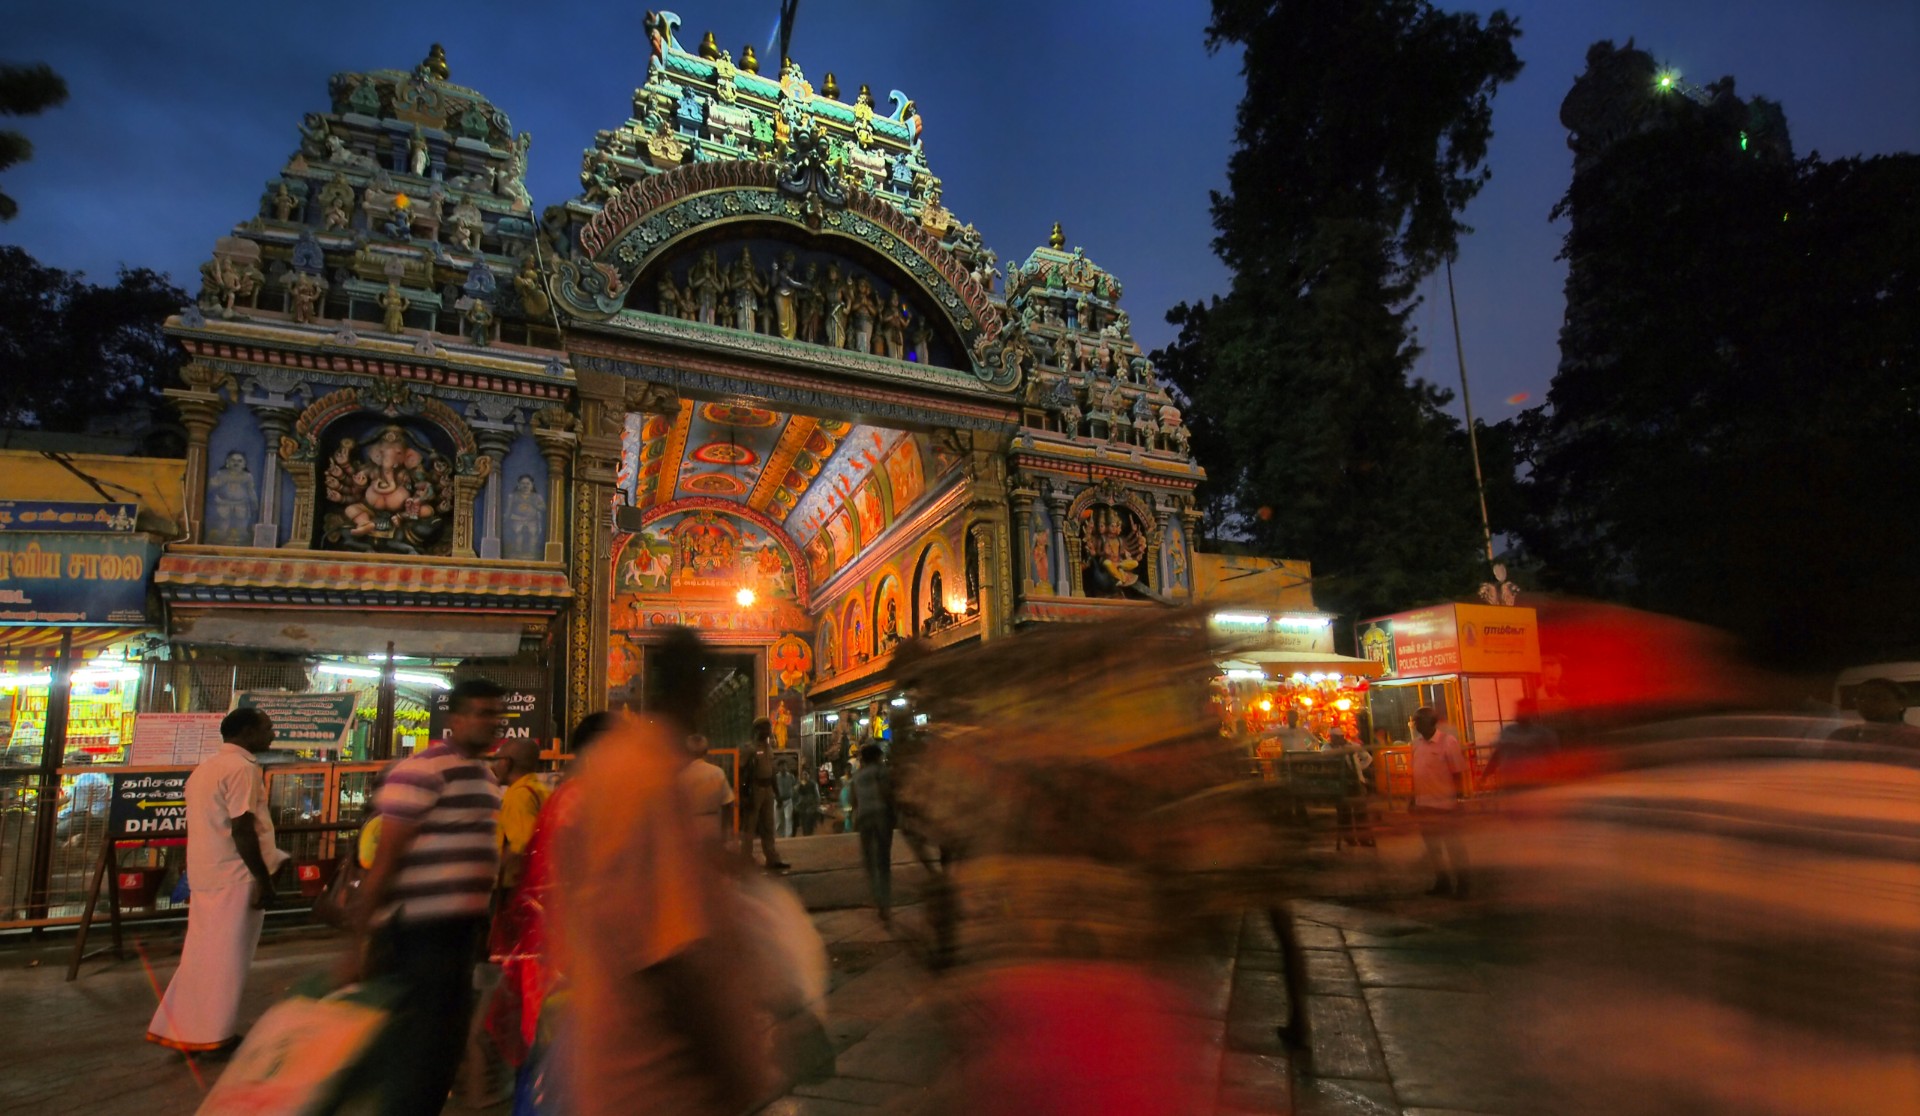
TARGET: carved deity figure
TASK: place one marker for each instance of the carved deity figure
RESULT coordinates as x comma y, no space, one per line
864,306
227,282
533,289
669,296
466,226
813,305
526,521
920,337
479,322
890,628
336,203
1113,548
747,288
1040,556
283,202
304,292
514,182
893,327
233,503
787,288
417,153
839,296
705,285
393,494
394,304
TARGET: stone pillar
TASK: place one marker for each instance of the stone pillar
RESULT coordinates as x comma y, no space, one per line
1022,535
275,420
987,514
602,418
199,404
494,443
1069,577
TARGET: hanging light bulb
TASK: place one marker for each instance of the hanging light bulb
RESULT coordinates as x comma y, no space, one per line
744,598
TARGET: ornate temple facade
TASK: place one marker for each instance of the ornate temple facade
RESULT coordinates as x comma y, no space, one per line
755,379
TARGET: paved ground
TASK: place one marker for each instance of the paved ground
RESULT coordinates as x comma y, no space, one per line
1392,1001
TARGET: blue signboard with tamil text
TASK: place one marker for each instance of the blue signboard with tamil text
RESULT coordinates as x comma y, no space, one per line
66,515
75,579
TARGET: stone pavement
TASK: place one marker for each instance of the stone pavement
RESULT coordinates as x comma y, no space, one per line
1394,1003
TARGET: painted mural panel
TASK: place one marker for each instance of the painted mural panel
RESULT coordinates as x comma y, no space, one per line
1039,559
866,506
687,566
906,474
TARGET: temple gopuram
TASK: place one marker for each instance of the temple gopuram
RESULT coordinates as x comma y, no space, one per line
755,378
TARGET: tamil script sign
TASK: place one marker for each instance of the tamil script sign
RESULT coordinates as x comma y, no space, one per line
174,738
1454,639
304,721
74,579
63,515
148,806
525,720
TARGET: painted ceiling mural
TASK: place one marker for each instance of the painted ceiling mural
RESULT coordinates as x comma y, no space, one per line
835,487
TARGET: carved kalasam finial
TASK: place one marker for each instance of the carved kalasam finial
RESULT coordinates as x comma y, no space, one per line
1057,240
749,61
832,87
436,62
709,49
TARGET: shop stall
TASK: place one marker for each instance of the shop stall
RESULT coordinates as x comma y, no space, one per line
1473,664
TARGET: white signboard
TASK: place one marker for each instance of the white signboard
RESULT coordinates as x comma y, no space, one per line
174,739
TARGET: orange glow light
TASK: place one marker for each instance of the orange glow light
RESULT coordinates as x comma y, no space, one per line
1306,699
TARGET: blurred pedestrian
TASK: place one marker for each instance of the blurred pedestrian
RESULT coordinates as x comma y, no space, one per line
806,806
756,784
422,910
873,808
784,784
517,767
660,1008
706,791
846,795
1882,706
1524,750
1440,785
231,858
523,932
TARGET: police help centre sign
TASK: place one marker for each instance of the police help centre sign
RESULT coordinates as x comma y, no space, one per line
148,806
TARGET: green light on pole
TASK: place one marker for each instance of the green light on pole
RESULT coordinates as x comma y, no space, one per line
1743,141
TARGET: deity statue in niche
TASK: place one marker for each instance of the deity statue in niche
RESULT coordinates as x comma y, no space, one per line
526,521
893,327
787,288
864,307
393,494
1115,543
839,296
233,503
1040,555
812,305
747,288
705,286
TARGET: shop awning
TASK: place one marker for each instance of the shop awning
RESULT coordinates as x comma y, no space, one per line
351,632
1282,663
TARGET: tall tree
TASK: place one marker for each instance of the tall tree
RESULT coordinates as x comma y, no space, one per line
1360,141
72,352
24,91
1737,407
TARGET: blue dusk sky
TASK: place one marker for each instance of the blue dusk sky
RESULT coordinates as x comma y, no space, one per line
1111,118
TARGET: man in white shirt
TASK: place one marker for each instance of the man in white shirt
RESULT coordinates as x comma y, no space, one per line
231,858
1440,780
707,790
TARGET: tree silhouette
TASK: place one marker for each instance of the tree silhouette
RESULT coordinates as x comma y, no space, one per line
24,91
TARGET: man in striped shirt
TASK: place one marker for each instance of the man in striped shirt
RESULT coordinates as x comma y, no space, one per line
423,907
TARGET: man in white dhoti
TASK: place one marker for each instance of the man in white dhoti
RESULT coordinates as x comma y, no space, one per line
231,857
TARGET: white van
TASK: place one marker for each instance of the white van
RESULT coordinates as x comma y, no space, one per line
1904,675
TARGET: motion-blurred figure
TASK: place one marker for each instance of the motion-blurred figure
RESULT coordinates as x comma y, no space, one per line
1523,753
1883,716
1440,783
662,1008
523,931
873,815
